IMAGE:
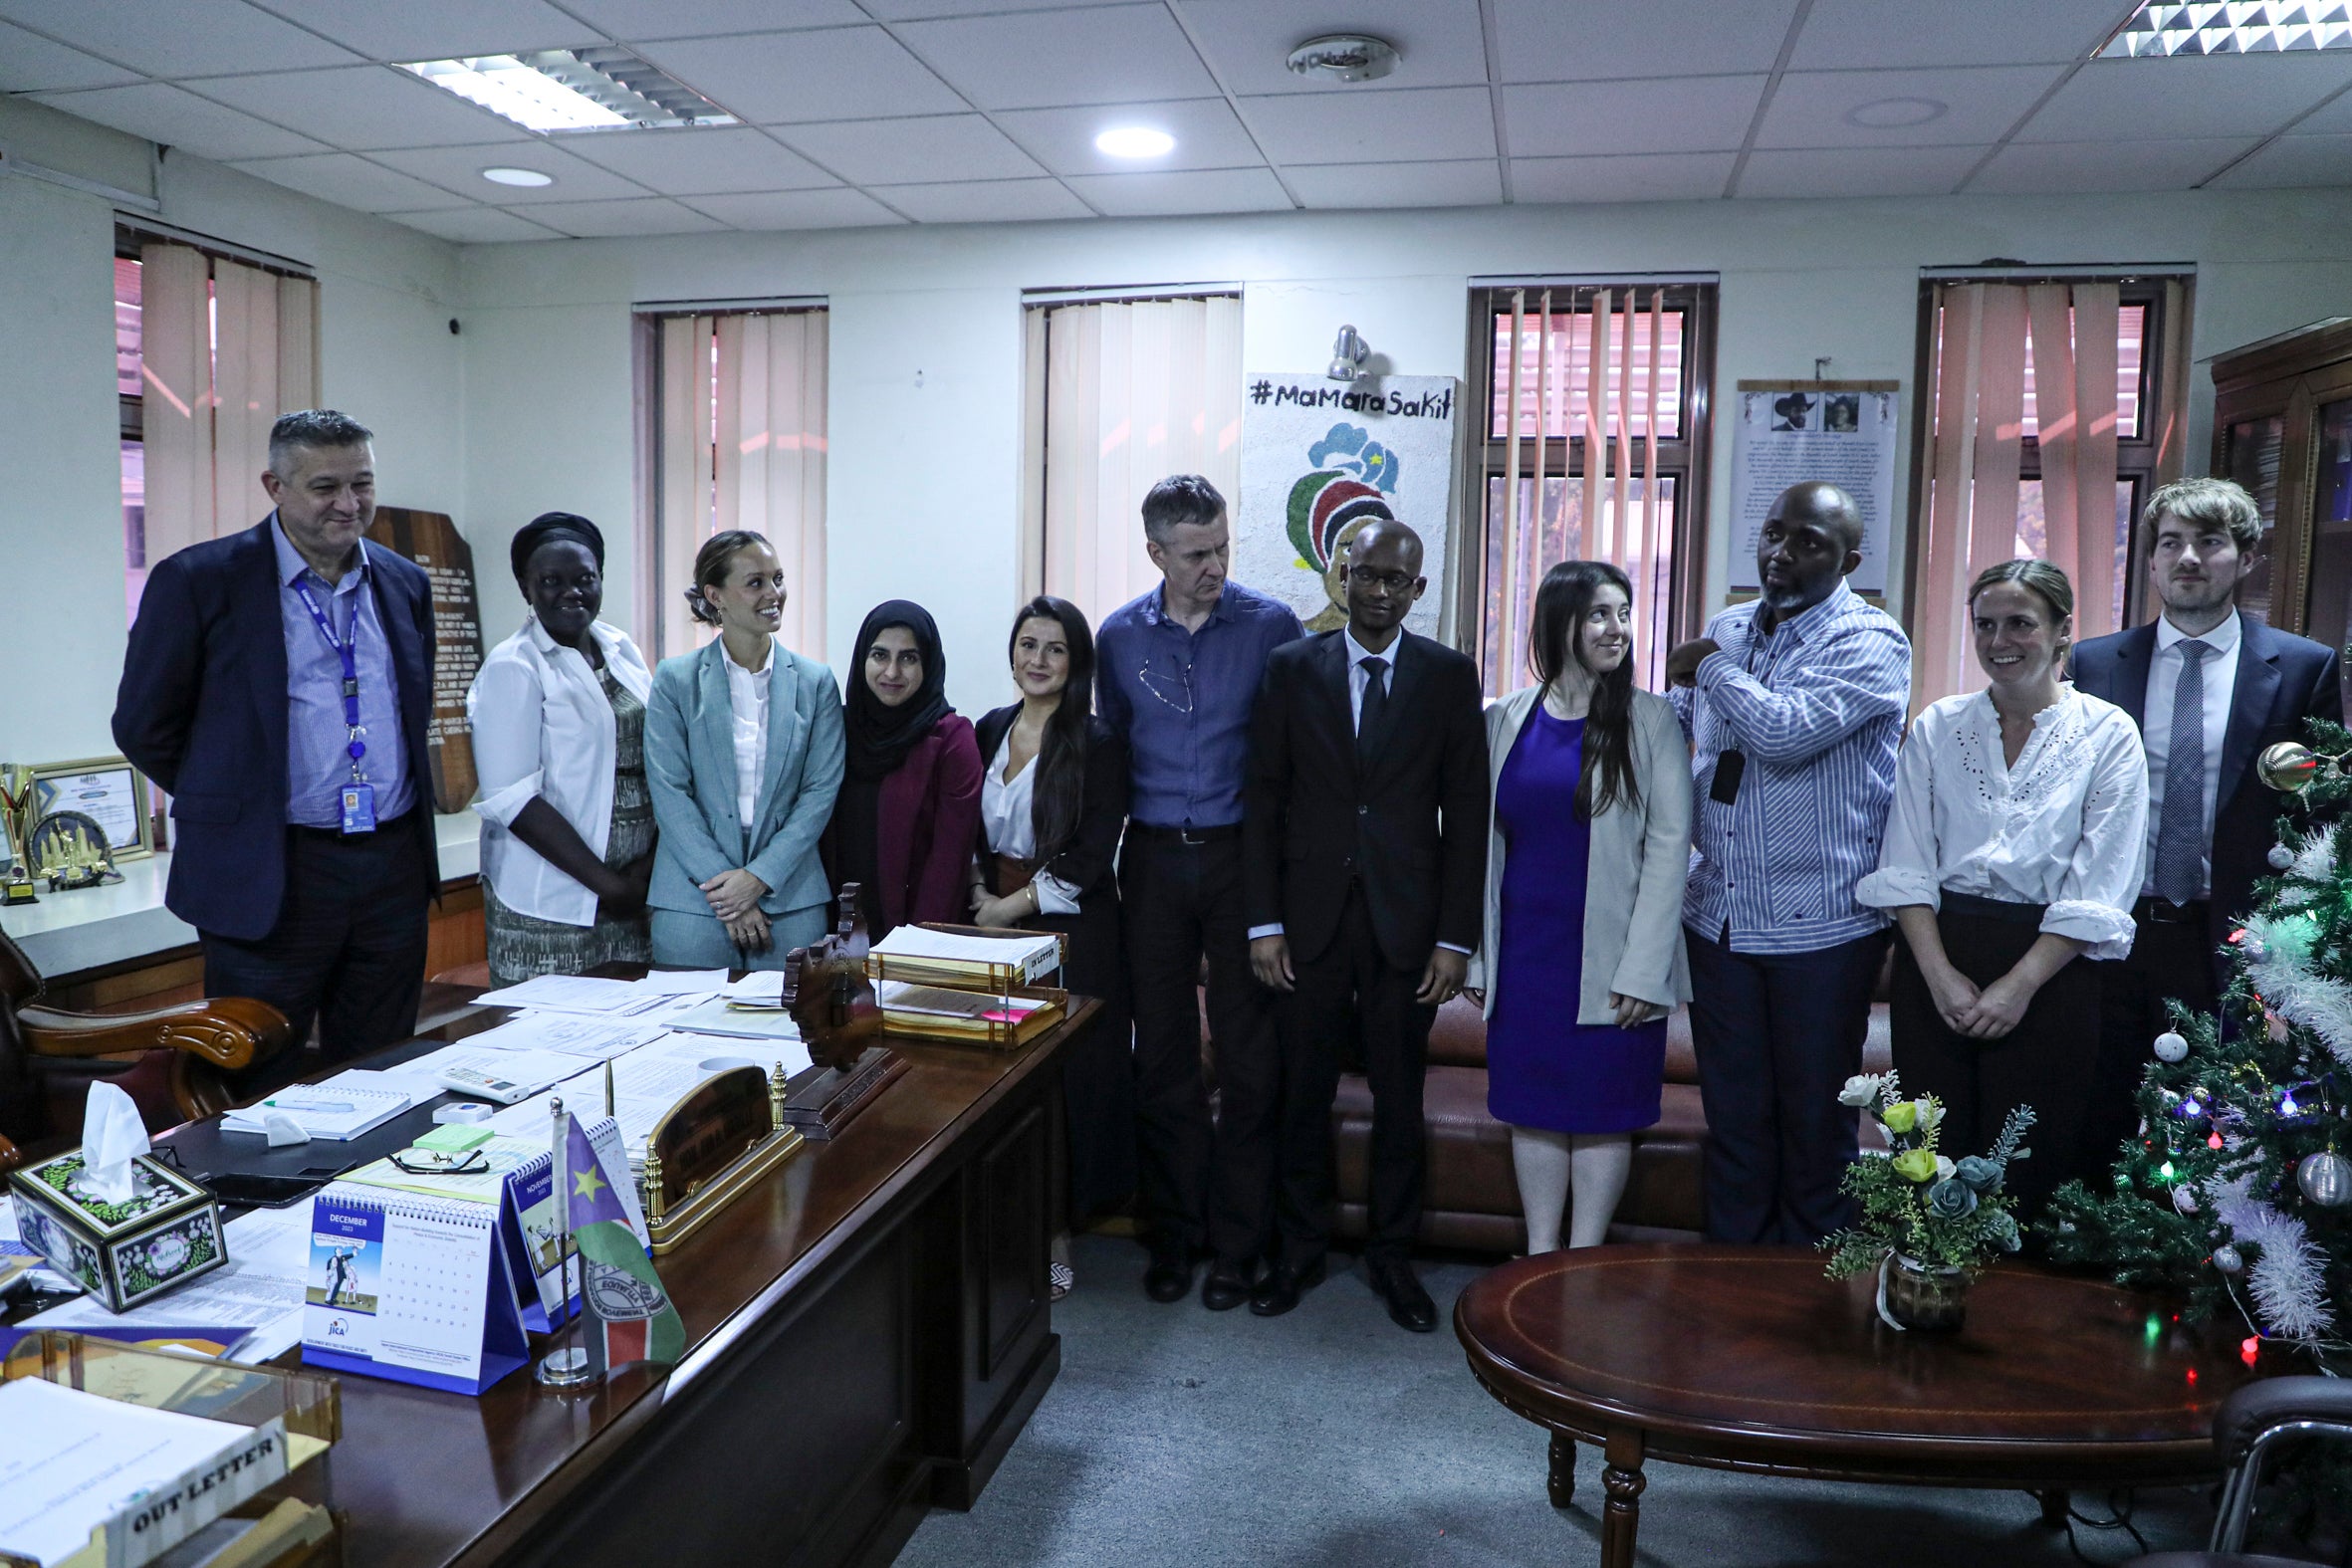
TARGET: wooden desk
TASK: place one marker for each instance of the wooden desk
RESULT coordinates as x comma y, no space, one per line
868,1329
1747,1358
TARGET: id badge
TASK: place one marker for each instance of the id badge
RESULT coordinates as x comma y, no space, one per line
358,807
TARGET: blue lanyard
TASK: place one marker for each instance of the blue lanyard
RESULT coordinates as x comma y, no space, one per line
347,649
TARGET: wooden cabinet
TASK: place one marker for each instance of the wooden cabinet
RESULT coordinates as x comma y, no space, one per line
2283,428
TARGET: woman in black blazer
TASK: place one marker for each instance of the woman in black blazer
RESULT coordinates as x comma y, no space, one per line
1052,803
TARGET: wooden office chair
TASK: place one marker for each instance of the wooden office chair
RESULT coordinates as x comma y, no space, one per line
170,1060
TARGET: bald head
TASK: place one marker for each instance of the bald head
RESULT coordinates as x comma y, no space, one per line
1384,535
1831,506
1811,539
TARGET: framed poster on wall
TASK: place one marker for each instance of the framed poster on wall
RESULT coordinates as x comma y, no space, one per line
1789,433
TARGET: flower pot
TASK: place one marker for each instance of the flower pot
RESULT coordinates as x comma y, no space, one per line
1930,1297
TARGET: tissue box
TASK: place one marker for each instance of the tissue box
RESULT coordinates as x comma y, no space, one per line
121,1253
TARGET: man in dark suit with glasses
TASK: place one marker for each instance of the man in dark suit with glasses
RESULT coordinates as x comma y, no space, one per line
1178,675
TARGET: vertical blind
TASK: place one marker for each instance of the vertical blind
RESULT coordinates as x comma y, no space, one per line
1130,392
225,348
741,444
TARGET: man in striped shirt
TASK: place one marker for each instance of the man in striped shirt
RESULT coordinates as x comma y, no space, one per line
1794,705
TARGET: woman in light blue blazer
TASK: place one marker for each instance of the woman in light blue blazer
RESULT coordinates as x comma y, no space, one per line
742,753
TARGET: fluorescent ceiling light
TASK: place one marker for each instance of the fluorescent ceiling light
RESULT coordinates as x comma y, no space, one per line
508,176
1136,141
2236,27
570,89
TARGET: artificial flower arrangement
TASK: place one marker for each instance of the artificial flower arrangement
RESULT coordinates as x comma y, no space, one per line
1929,1215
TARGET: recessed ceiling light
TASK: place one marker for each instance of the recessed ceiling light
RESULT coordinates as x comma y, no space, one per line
1893,114
566,89
1136,141
2240,27
506,176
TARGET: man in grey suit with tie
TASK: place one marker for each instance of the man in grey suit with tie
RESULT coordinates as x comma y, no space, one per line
2209,687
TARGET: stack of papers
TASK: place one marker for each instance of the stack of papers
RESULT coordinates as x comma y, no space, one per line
611,998
342,1107
721,1016
647,1084
566,1034
946,958
260,1289
941,1002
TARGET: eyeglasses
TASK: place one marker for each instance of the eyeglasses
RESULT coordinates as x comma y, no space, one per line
436,1163
1171,687
1394,582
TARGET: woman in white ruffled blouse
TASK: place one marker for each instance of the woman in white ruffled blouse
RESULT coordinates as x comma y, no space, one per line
2013,850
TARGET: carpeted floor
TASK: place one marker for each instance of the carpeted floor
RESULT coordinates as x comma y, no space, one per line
1181,1437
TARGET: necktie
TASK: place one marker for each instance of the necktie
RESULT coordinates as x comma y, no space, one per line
1374,704
2180,833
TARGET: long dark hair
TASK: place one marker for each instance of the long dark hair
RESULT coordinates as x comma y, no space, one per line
1556,636
1060,786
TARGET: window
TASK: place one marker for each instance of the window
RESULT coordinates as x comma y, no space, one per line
1120,394
2052,409
1593,447
732,416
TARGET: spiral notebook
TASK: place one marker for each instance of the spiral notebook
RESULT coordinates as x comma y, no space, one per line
411,1287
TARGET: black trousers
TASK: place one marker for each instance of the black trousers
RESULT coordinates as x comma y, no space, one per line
2045,1062
1351,990
1776,1036
348,950
1199,1186
2169,960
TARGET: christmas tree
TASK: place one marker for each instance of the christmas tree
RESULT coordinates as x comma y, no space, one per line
2237,1193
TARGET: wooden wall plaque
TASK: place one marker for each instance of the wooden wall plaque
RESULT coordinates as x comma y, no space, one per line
432,539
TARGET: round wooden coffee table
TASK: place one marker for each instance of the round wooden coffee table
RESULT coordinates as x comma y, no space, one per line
1748,1359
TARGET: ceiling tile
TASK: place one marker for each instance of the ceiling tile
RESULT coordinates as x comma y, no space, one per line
1207,136
349,180
1596,41
920,10
685,163
1047,58
1685,115
1841,35
641,19
1650,176
437,29
2060,168
797,209
460,169
1853,108
1322,127
1857,172
987,201
1163,196
32,63
618,219
187,38
363,109
912,152
2292,162
179,118
783,77
1474,182
2328,118
1247,41
2187,96
475,225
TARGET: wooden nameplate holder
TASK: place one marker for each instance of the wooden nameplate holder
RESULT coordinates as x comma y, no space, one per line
713,1144
829,998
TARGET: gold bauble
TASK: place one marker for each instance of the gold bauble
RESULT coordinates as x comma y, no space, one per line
2287,766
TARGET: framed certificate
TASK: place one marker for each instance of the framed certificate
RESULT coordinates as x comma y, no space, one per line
108,791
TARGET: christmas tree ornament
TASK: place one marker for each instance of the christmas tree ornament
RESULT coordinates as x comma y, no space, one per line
2228,1258
2289,765
2185,1198
2281,857
2170,1046
2325,1179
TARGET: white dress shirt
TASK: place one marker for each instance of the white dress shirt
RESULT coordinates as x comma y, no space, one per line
542,726
747,693
2066,827
1006,816
2156,729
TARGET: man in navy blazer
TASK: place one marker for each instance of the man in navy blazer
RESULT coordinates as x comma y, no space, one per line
278,685
2209,687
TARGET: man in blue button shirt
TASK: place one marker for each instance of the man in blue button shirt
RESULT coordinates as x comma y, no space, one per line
1178,674
278,685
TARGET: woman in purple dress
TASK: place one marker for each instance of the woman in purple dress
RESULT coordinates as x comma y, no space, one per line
1583,952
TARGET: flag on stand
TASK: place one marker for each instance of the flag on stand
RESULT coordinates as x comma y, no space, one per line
618,1283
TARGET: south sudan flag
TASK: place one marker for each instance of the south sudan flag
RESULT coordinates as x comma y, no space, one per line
616,1279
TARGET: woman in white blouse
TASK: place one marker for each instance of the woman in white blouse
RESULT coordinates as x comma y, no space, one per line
558,712
2013,850
1052,801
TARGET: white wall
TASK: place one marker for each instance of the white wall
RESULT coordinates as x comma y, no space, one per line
925,491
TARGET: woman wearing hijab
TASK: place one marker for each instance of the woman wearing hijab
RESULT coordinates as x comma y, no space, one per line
743,747
558,717
909,808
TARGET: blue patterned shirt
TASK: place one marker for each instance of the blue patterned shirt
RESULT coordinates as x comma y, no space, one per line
1817,709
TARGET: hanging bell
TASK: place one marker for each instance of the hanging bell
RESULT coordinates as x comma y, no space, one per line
2287,766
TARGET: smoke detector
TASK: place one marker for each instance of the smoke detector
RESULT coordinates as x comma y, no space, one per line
1345,57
